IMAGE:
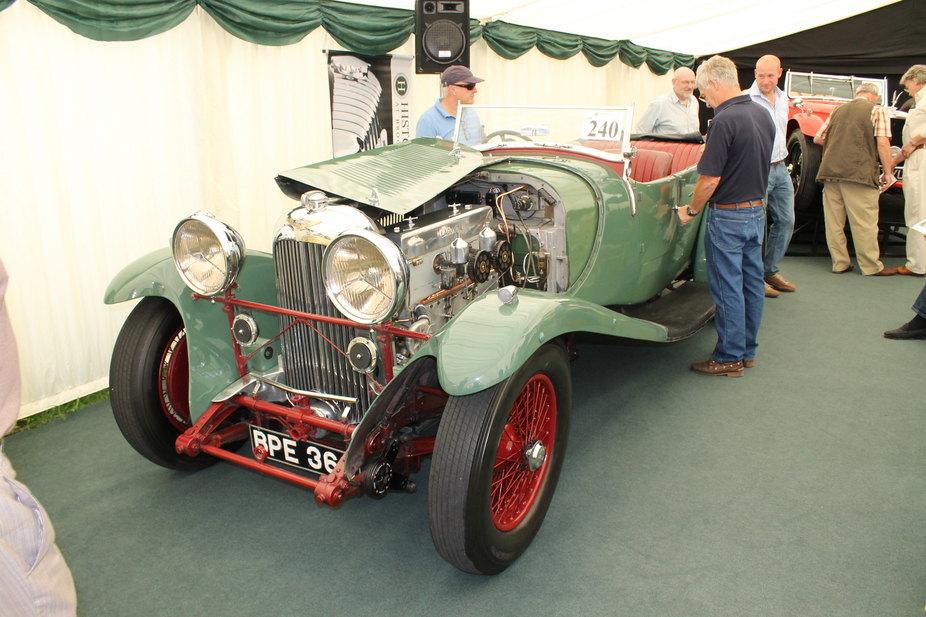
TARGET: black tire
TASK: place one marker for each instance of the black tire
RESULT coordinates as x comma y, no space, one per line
803,163
475,524
148,384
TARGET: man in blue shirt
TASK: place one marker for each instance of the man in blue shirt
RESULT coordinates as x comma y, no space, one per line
780,196
459,85
733,181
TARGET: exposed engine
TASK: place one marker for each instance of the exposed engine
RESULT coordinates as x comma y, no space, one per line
490,230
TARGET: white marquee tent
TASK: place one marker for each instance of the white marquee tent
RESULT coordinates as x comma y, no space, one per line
104,146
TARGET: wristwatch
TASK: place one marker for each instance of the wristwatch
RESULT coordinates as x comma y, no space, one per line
691,212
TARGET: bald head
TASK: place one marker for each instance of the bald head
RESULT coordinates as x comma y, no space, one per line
768,72
768,63
683,82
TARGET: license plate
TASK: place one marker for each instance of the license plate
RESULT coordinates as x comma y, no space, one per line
282,448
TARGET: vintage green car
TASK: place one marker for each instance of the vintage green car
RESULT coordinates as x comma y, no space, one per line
422,299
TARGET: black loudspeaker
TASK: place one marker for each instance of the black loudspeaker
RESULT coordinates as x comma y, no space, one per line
441,35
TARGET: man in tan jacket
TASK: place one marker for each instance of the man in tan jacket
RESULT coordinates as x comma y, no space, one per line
854,138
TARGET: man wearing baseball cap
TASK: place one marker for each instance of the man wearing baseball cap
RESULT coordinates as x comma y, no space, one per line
459,86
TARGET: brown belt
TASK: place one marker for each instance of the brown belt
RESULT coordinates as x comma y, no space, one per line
755,203
779,162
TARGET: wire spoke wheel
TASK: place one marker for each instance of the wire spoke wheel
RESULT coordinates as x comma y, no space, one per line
521,462
496,462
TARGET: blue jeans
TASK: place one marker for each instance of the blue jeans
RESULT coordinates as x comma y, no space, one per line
780,204
734,275
919,307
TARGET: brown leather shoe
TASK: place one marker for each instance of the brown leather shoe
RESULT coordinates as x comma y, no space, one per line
749,363
778,282
711,367
885,272
771,292
850,268
906,271
908,331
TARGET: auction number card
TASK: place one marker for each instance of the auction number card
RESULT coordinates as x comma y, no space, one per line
603,125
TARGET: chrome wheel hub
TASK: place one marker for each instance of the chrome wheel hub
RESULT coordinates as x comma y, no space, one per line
535,454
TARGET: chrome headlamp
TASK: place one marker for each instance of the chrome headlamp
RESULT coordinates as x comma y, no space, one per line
366,276
207,253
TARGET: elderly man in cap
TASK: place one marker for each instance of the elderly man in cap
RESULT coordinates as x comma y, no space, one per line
459,85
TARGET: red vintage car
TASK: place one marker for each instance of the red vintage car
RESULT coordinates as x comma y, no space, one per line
812,97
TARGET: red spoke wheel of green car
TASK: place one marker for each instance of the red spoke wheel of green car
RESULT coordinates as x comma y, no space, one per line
174,381
496,462
521,462
149,384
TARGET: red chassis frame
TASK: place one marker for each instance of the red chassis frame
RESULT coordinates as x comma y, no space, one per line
206,436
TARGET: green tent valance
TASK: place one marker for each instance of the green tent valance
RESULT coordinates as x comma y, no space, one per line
365,29
511,41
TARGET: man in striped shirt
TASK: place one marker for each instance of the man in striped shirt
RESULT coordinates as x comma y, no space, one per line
34,579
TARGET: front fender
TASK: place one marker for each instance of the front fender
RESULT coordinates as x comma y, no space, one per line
808,124
489,340
211,354
153,274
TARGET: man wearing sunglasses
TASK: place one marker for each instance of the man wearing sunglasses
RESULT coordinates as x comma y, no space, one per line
459,88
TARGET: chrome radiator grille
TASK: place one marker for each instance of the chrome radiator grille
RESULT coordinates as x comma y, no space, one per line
309,361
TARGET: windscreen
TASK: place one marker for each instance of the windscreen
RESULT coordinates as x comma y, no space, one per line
602,128
814,85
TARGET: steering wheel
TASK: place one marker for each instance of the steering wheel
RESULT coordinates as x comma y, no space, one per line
507,133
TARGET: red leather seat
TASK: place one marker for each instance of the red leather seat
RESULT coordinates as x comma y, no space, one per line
684,155
649,165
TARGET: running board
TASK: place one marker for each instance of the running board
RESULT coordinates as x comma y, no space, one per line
683,312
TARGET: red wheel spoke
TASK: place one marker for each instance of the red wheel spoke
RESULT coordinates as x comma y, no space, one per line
504,473
510,447
507,458
512,435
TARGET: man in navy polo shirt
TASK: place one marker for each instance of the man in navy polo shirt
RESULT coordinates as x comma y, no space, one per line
459,86
733,181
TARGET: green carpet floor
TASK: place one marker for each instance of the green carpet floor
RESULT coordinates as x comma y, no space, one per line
799,490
